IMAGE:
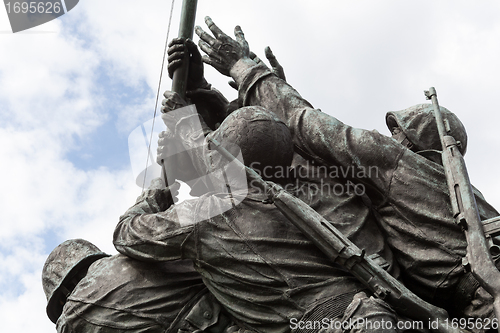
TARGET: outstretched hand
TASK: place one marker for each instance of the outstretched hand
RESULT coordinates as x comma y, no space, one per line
222,51
275,65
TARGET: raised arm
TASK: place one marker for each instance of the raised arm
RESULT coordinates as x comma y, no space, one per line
317,135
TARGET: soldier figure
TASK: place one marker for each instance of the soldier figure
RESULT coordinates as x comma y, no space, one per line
255,266
90,291
263,270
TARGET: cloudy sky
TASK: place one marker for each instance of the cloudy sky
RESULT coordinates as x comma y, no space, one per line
72,91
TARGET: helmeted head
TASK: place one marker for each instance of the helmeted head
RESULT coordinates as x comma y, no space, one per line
264,140
64,267
418,124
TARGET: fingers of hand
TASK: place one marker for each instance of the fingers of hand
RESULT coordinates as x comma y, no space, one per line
270,56
212,56
240,36
233,84
167,94
176,52
205,47
163,139
277,68
175,56
204,36
173,66
171,106
255,58
171,102
209,61
175,48
162,134
178,40
219,34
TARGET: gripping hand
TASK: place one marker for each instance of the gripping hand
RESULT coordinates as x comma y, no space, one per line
178,50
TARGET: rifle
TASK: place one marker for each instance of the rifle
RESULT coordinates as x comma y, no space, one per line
465,209
340,249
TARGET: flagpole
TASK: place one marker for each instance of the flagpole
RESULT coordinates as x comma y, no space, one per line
186,29
179,80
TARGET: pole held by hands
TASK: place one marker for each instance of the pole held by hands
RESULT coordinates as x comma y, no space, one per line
179,80
186,29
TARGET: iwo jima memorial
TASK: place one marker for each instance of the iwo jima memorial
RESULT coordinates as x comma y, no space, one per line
270,243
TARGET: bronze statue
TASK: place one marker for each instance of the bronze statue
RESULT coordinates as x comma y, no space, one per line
262,269
259,271
409,194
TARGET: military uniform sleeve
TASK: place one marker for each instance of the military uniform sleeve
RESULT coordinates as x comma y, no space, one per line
318,135
71,322
62,326
151,231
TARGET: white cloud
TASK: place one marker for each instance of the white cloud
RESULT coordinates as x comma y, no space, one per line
48,97
47,83
26,313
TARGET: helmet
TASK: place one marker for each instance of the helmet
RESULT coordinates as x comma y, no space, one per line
62,265
419,125
264,140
